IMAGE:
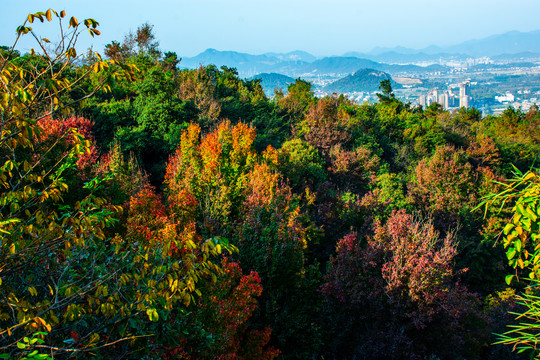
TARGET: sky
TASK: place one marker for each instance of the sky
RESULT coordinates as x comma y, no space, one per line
329,27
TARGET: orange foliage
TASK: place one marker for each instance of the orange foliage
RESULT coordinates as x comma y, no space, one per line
208,174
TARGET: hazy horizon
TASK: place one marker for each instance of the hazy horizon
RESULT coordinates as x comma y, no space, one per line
321,28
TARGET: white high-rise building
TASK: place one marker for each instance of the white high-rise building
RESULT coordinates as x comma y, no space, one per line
422,101
443,100
465,94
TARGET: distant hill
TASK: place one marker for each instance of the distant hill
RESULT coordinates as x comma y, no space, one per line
271,81
213,56
509,65
522,56
367,80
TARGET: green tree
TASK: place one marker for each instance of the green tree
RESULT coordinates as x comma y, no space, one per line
387,94
300,97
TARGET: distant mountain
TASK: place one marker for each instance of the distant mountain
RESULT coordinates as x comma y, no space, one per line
509,47
246,64
508,43
394,57
294,56
512,42
338,65
290,64
365,80
249,65
398,49
273,81
213,56
347,65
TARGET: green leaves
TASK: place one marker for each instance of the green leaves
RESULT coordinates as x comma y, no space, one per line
23,30
507,228
152,315
91,25
26,345
508,279
510,253
522,232
522,243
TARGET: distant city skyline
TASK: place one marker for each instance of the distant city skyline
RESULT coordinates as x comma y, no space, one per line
319,27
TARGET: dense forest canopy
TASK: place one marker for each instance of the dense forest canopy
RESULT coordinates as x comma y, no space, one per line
150,211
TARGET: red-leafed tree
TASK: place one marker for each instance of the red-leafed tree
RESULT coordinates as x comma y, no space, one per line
57,136
402,283
224,311
272,240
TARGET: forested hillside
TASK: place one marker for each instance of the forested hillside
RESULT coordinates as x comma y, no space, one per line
363,80
148,212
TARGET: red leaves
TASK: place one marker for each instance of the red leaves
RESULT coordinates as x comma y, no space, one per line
147,204
485,152
420,265
254,347
229,303
55,130
402,280
353,169
74,335
355,275
147,217
59,128
153,225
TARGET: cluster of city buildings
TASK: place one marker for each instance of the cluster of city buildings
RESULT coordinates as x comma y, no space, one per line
448,98
456,64
523,100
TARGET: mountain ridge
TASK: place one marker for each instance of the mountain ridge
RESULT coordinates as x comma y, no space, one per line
510,46
510,42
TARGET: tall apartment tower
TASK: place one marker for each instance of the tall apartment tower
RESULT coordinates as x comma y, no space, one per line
422,101
443,100
435,95
465,94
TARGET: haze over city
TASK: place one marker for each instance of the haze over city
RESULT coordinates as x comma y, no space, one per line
319,27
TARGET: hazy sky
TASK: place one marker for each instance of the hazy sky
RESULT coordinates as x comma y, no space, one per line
329,27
